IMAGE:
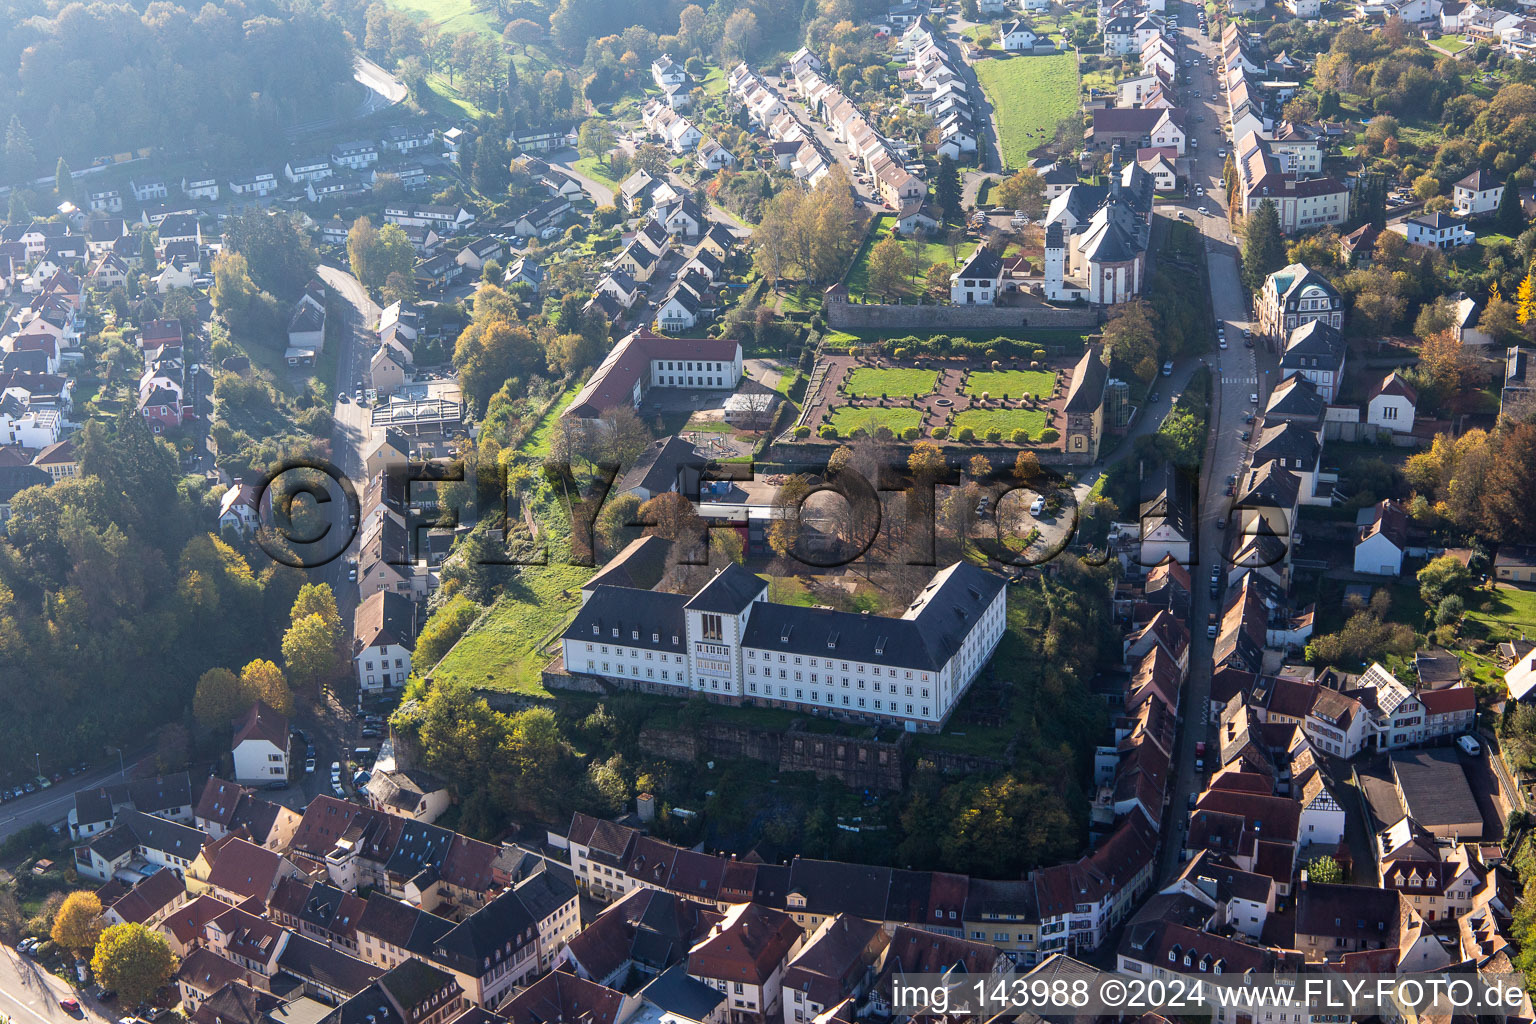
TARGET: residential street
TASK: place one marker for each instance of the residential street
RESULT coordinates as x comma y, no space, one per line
30,995
1240,373
354,429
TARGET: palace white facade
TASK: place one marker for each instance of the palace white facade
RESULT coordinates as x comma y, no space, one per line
731,644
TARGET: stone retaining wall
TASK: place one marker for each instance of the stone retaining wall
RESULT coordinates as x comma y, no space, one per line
936,319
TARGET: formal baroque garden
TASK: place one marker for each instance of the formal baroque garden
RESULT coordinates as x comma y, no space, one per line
1000,401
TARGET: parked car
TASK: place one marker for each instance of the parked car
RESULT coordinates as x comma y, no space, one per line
1469,745
1253,398
309,766
1168,368
1037,506
70,1005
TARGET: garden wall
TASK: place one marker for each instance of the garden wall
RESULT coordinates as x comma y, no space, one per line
917,319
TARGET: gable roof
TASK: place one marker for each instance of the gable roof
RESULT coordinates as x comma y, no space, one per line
262,723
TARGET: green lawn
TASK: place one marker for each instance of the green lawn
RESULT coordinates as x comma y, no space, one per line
597,170
906,382
452,15
1005,420
1029,96
1451,44
714,82
933,252
848,418
448,101
1010,383
1506,606
504,650
536,444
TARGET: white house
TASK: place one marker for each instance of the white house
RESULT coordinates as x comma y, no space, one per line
1382,539
665,71
261,747
1392,405
307,168
1016,35
258,183
109,199
175,275
383,636
1476,194
978,279
1434,231
200,185
712,156
238,509
355,155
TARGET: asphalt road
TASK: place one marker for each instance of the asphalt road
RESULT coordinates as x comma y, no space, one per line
30,995
1239,374
600,194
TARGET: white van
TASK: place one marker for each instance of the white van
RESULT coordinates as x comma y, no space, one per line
1469,746
1037,507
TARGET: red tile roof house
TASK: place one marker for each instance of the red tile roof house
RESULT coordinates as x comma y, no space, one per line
744,956
261,747
833,965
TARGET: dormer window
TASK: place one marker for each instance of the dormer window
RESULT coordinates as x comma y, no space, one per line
594,629
634,634
615,632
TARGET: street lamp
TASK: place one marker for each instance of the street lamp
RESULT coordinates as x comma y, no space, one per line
39,757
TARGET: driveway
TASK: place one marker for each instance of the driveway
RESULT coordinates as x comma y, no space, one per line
600,194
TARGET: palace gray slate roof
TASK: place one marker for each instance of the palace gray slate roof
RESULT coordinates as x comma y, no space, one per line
630,611
732,589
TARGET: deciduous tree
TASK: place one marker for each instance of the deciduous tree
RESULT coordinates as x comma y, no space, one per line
77,925
887,267
263,681
219,698
134,960
1022,191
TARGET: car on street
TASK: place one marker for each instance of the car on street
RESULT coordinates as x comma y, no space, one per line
342,397
1253,398
1199,190
70,1005
1246,434
1037,506
1221,342
1204,212
1152,399
1200,765
1168,368
1221,152
309,766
